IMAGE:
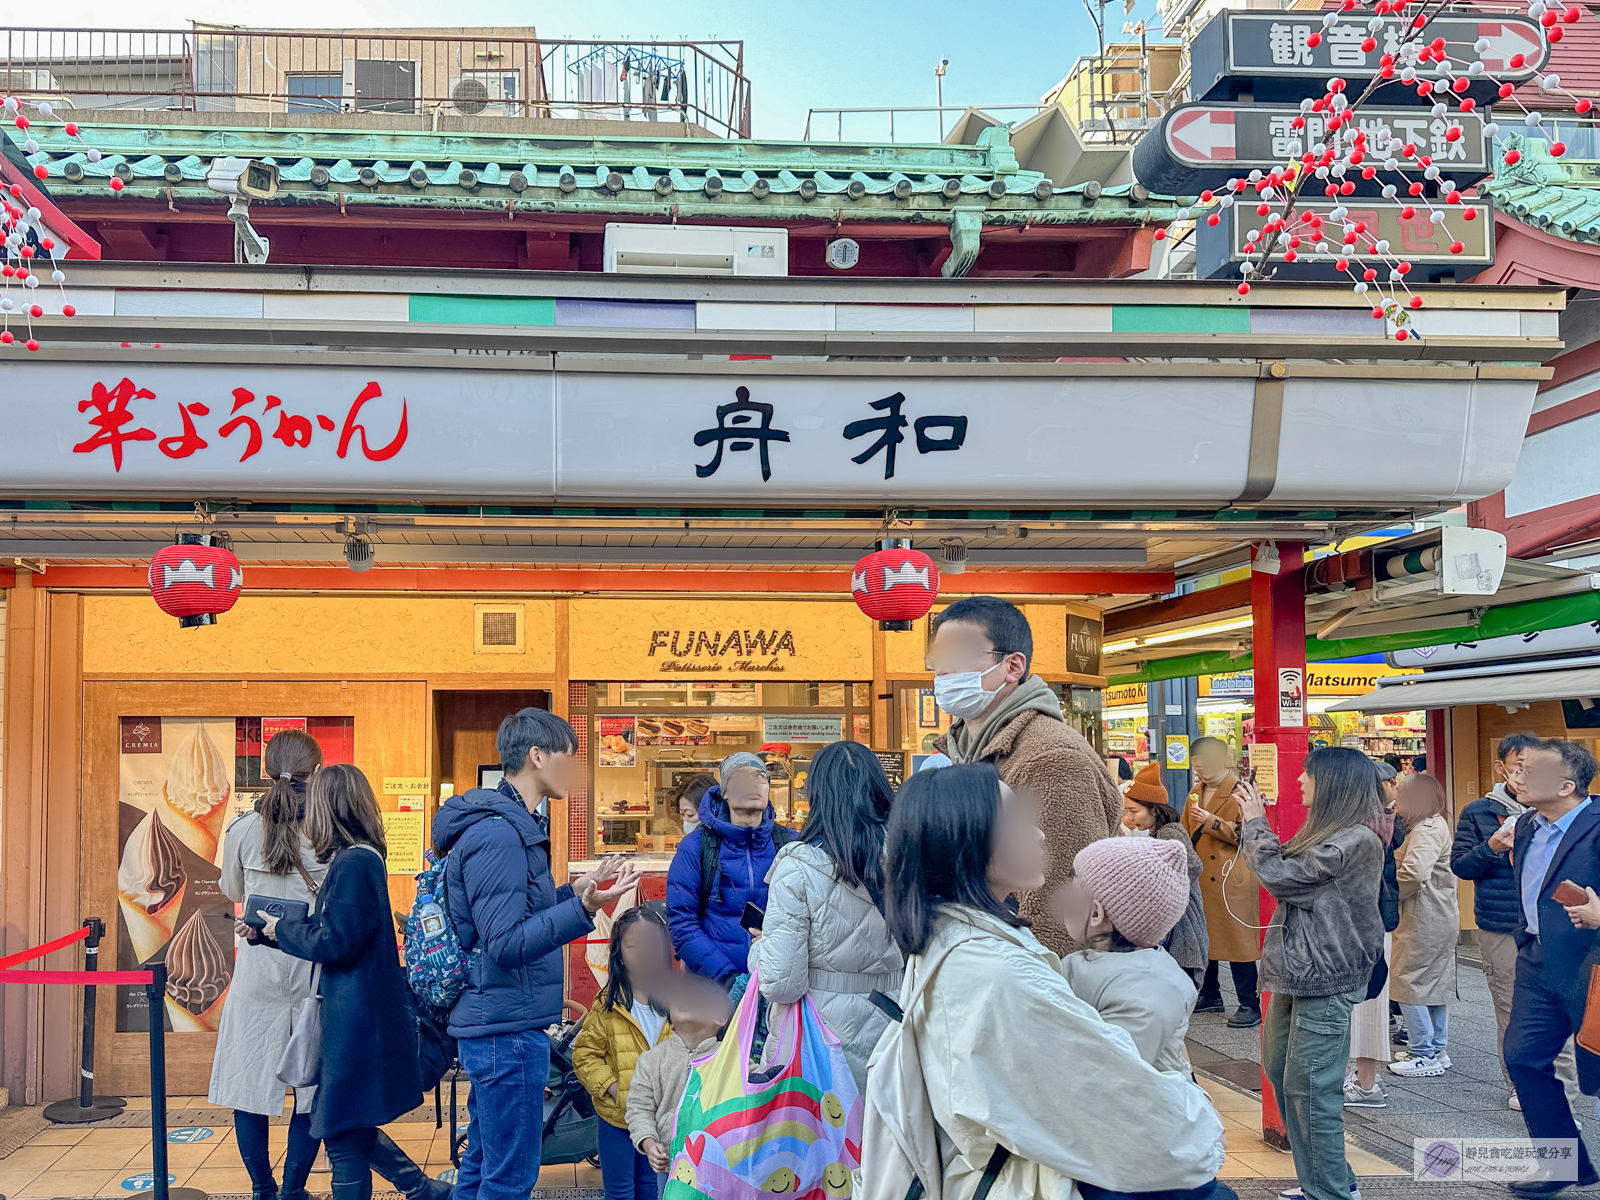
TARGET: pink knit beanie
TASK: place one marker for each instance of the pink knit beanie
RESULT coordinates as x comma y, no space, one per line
1143,883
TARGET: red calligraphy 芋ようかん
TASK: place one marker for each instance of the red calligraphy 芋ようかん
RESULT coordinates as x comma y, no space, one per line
113,415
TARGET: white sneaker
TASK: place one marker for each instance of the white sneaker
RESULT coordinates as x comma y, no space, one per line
1413,1068
1514,1103
1443,1060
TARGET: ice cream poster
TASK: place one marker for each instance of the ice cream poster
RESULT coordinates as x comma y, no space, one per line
175,799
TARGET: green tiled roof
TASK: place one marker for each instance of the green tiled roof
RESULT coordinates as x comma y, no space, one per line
1537,190
700,176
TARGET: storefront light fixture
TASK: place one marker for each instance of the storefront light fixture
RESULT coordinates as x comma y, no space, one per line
358,554
1177,635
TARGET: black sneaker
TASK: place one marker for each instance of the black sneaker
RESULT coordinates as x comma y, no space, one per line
1244,1018
1206,1004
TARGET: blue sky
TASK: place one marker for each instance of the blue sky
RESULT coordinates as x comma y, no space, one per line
822,53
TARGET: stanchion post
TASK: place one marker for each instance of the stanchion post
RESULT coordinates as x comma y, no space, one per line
88,1106
155,990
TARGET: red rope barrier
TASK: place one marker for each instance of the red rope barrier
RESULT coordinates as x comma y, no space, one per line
66,939
85,977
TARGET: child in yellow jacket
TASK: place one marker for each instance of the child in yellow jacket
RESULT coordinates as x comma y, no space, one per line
621,1026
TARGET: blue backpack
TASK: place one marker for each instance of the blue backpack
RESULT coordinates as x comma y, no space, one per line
436,966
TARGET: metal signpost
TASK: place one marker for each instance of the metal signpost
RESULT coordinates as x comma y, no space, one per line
1270,56
1220,249
1199,146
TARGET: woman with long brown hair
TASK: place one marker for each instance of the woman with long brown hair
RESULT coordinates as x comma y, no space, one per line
265,853
1423,978
369,1073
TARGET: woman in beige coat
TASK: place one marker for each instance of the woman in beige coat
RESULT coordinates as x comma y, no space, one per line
265,854
1423,978
823,932
1228,887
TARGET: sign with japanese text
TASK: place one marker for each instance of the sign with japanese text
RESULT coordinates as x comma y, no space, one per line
1204,145
410,792
1239,46
1291,696
1416,238
801,729
538,436
405,831
1264,762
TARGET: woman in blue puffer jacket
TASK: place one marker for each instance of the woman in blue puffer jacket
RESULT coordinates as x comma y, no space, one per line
720,867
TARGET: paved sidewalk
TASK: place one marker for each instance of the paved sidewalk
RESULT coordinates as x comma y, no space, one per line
1469,1100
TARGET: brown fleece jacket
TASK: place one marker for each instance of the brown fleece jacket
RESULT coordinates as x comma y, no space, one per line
1078,802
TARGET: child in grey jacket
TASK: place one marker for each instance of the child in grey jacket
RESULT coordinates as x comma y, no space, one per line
1123,898
699,1010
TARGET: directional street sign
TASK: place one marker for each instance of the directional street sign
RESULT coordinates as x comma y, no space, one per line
1198,146
1269,55
1220,249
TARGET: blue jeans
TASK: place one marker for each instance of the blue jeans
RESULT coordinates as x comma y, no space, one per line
509,1072
350,1156
1428,1027
624,1172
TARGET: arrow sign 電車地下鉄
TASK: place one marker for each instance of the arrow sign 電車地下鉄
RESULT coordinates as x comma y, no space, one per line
1199,146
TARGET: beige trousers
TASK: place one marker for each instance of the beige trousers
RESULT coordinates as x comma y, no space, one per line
1499,952
1369,1020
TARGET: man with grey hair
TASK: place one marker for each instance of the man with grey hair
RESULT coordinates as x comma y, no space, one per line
721,867
513,921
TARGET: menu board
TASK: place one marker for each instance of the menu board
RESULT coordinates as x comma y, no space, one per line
181,782
672,731
894,766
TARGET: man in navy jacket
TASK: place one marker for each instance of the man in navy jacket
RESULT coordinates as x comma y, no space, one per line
513,922
1496,906
1559,839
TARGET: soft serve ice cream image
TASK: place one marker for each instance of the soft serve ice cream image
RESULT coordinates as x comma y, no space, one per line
150,885
197,978
195,797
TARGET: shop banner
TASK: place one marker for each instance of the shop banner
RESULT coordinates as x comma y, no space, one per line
175,793
684,438
1084,639
802,729
1565,640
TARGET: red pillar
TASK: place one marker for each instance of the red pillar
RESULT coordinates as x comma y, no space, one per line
1278,611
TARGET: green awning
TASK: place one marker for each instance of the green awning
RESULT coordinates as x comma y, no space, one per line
1529,617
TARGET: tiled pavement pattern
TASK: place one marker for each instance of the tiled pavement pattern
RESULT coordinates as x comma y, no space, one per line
69,1161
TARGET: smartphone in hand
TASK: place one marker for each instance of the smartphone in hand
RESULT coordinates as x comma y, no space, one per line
753,917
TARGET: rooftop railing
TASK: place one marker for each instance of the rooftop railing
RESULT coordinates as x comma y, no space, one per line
209,69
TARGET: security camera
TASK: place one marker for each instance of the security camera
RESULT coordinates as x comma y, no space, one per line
247,177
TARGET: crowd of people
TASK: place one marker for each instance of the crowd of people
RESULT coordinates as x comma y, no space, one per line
1038,920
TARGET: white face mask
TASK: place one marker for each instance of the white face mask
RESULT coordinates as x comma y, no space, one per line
690,824
962,693
1124,831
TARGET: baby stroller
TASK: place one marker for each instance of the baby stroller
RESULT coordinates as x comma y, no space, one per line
570,1135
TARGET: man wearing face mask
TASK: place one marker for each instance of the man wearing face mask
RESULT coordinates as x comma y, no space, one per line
980,656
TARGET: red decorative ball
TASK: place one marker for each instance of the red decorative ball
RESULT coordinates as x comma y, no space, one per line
1468,104
32,344
1368,45
1584,104
36,310
1400,335
1244,289
1416,302
1506,89
1557,149
1206,196
1214,219
1314,40
1161,235
116,184
191,581
1513,157
6,337
41,172
72,129
893,585
1571,15
1555,34
68,310
22,121
1548,18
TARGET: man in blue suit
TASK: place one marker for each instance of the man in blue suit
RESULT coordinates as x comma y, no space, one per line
1559,839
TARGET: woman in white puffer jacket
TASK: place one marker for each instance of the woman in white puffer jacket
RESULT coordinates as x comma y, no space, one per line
824,931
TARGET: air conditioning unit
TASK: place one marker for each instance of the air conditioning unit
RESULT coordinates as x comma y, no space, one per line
13,81
695,250
484,93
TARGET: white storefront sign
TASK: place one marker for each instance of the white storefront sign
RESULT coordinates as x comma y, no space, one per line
590,435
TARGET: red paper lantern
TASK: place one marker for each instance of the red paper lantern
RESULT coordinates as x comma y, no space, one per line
196,579
895,586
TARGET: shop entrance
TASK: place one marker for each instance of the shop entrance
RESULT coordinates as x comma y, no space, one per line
465,724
